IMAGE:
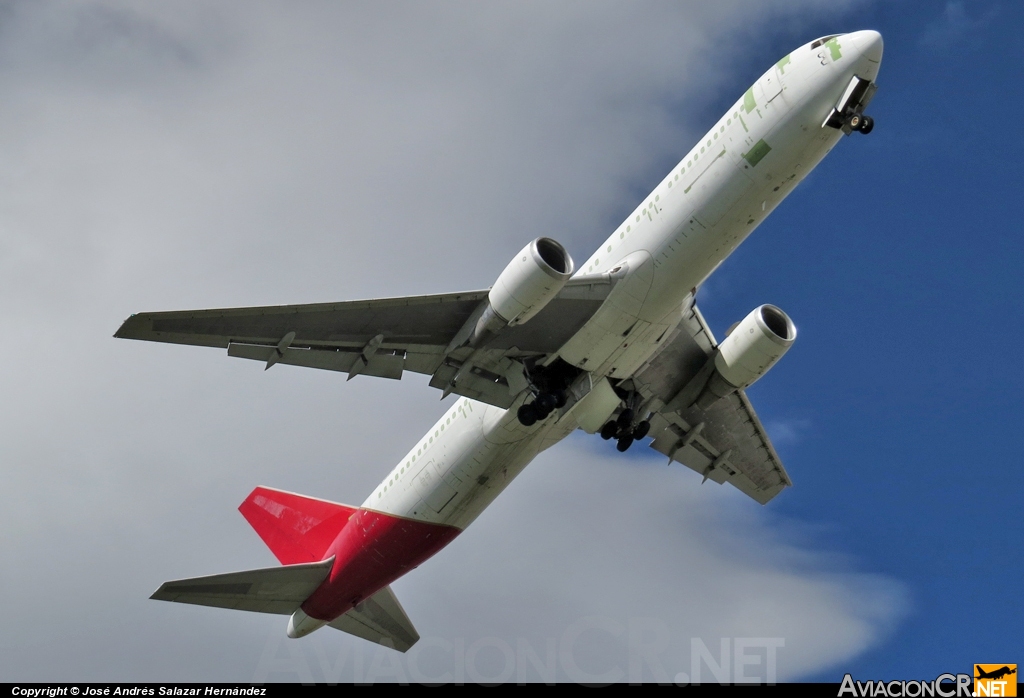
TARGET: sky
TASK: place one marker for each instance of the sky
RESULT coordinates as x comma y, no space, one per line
171,156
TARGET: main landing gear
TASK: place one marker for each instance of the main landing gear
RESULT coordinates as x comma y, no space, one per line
623,429
550,385
860,122
542,405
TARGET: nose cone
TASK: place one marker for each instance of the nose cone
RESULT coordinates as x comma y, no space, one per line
868,43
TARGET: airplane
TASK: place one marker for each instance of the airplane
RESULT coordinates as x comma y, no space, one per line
616,348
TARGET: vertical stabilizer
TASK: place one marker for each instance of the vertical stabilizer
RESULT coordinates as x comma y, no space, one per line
297,529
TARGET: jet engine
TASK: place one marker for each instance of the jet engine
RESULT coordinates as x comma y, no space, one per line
753,347
530,281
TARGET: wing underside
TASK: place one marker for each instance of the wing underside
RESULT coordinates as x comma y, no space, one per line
387,337
384,337
725,442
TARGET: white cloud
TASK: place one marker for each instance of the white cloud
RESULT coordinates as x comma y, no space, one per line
784,432
235,154
953,26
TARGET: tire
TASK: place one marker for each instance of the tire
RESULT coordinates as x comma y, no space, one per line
641,430
855,121
866,125
545,402
609,430
560,399
527,415
624,443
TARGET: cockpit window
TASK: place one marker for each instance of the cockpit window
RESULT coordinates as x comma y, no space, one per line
822,40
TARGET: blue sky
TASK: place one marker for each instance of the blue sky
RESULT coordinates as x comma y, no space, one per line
900,259
227,154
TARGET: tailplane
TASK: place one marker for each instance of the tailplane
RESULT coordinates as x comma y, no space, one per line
282,590
274,590
299,531
379,619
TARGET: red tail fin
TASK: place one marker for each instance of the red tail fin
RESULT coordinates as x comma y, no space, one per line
297,529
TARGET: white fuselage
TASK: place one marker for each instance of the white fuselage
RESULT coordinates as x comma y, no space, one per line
730,181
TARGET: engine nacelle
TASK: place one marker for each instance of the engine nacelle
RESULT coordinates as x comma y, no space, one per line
530,281
753,347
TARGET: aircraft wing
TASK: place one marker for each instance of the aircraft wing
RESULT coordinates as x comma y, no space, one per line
724,443
384,337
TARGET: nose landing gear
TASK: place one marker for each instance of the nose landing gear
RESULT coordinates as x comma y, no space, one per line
860,122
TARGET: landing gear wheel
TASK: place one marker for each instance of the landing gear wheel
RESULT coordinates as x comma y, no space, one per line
527,415
624,443
609,430
545,402
866,125
855,121
560,399
641,430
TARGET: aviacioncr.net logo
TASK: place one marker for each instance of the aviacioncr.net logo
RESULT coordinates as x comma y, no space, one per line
995,679
944,686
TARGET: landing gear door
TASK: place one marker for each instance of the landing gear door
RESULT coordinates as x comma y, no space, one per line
854,100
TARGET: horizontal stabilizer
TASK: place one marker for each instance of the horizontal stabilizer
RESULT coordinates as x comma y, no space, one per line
275,590
297,529
380,619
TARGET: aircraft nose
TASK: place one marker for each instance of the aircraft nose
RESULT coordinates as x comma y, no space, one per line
869,43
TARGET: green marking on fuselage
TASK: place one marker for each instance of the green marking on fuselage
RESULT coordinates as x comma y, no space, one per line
833,47
744,124
781,65
757,153
748,100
